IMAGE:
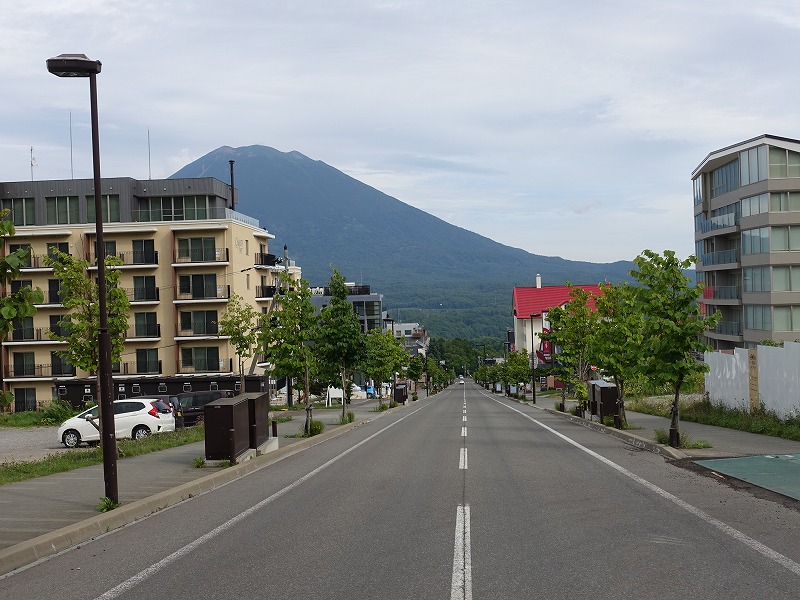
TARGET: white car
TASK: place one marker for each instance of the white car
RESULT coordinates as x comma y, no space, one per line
134,418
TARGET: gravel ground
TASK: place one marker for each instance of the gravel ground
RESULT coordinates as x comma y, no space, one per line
28,443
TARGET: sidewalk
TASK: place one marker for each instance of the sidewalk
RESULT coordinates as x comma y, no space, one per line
41,516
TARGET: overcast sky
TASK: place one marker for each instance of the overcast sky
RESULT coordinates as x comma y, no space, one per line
566,128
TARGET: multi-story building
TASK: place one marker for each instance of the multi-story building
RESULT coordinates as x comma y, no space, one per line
184,251
747,240
414,337
367,305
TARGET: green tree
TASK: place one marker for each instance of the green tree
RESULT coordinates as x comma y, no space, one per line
80,329
517,368
617,347
572,330
673,324
288,337
18,305
240,323
416,367
340,342
383,357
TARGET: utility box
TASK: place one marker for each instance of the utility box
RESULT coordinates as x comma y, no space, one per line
258,416
602,399
227,422
401,393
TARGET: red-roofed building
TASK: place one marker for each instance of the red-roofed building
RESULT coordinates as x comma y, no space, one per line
531,305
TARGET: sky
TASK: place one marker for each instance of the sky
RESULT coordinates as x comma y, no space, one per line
565,128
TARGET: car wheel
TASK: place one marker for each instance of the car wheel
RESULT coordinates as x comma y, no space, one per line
71,438
140,432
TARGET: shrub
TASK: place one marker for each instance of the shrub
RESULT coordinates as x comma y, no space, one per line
315,427
56,412
392,404
199,462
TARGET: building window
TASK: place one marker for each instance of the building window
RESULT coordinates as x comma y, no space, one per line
755,205
110,204
697,186
783,163
784,201
198,286
785,239
197,249
758,316
786,318
178,208
753,165
200,359
144,288
755,241
24,399
756,279
24,365
62,210
199,322
22,329
27,247
725,179
145,324
144,252
22,210
60,366
59,324
147,361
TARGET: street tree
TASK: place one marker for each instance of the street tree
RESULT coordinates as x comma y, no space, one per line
416,367
340,341
617,347
240,322
17,305
572,329
673,324
290,333
80,328
517,368
383,357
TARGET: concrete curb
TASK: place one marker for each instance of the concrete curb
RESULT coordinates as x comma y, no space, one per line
30,551
625,436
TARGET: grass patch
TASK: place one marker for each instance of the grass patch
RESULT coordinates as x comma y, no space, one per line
348,418
280,418
107,504
662,437
11,472
55,413
316,427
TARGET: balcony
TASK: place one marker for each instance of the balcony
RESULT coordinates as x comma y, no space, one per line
182,215
198,330
219,292
722,292
266,260
723,257
142,294
721,222
150,330
205,366
47,370
134,258
202,256
137,368
35,334
265,291
728,328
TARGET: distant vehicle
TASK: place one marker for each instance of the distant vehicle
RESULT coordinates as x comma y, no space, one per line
460,382
133,419
193,404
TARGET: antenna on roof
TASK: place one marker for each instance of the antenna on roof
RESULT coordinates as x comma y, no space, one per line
233,189
149,166
71,164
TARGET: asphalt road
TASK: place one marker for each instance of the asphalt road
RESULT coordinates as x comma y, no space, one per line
464,495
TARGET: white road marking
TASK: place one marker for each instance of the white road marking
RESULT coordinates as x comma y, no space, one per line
463,432
464,419
462,460
461,588
142,576
762,549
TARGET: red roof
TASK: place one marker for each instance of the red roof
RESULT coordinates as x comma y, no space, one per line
533,300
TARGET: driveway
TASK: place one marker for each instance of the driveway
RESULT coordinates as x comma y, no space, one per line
28,443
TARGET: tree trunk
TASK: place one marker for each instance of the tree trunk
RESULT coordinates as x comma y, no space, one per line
344,399
674,426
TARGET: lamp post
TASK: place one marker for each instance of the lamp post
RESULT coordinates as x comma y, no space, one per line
387,319
533,361
78,65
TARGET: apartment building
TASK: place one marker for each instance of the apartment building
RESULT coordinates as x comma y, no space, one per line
414,337
747,240
184,251
367,305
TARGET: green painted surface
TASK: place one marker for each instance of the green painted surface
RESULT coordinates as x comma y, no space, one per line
777,472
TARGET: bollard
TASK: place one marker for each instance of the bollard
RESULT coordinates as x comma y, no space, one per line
274,429
232,446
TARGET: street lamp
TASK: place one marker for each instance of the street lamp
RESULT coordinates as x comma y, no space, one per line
533,360
78,65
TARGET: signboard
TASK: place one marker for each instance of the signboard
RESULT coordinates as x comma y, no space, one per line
752,372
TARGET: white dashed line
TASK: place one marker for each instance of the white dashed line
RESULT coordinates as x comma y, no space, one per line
461,588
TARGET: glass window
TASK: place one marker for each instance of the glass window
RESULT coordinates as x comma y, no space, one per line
779,201
793,169
762,163
780,279
777,162
780,238
110,204
795,278
22,210
782,318
794,238
62,210
796,318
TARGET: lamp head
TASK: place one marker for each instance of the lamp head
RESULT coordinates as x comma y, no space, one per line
73,65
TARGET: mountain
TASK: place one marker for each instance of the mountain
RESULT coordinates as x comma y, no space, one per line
454,282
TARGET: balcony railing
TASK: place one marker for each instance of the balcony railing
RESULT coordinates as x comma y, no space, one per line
728,328
138,367
35,334
266,260
208,329
150,330
722,292
265,291
723,257
131,257
48,370
205,366
157,214
720,222
219,292
202,255
142,294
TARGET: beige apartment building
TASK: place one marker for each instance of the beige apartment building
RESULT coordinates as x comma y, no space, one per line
184,251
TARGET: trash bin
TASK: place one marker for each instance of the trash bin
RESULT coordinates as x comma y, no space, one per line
258,417
603,399
400,393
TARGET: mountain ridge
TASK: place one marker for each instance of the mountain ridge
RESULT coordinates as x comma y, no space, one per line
456,282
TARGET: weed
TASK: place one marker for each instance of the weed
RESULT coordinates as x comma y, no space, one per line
393,404
224,463
284,418
199,462
107,504
315,427
348,418
662,437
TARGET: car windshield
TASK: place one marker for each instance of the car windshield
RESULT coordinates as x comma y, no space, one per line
94,411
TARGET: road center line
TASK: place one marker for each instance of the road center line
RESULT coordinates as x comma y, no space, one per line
463,432
762,549
461,587
462,460
143,575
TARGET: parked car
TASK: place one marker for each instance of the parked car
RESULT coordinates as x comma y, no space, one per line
193,404
133,418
